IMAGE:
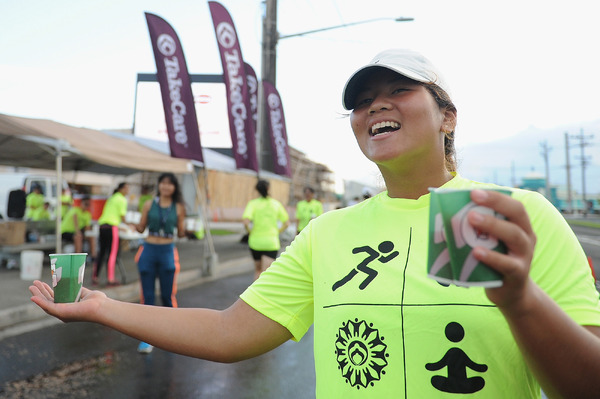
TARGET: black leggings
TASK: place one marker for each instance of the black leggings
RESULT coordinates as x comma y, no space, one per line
108,242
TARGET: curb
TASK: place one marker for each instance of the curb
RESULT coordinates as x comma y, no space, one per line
29,317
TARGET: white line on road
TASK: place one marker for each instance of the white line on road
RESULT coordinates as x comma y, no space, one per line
589,240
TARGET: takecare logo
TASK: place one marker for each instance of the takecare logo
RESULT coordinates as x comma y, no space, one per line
277,126
226,35
166,45
234,67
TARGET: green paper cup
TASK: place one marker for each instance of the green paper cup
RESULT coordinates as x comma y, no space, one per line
452,239
67,276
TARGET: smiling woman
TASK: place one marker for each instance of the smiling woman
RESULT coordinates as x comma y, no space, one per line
382,327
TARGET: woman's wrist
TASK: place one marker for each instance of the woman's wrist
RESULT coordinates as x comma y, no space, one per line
524,304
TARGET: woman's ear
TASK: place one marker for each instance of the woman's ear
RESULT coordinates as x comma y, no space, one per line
449,123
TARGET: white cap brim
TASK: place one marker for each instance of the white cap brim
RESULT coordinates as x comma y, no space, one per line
404,62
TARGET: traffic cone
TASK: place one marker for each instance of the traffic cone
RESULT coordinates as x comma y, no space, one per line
592,266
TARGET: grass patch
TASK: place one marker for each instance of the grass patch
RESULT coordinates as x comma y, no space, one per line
584,223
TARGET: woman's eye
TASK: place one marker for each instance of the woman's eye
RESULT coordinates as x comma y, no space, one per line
362,101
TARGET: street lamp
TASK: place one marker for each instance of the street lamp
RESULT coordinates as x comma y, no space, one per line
399,19
268,69
271,37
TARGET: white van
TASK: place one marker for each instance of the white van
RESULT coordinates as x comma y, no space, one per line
11,181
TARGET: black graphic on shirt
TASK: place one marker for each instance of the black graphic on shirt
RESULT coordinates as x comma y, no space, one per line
457,362
361,353
385,248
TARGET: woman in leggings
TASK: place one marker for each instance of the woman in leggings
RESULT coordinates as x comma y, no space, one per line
158,257
112,216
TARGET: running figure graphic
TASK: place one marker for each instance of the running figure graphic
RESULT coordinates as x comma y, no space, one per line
385,247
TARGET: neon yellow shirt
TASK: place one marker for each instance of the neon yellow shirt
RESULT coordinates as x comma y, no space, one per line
383,329
84,219
40,214
264,214
114,209
66,201
33,201
143,199
306,211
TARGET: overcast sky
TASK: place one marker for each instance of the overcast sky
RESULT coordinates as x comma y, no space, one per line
512,65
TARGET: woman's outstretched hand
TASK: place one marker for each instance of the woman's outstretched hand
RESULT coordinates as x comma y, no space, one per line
84,310
518,236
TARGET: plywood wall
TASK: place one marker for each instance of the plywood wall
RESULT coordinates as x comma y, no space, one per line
230,192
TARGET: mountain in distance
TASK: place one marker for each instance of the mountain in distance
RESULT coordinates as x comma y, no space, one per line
506,161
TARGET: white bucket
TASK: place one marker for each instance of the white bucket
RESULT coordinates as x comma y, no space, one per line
31,265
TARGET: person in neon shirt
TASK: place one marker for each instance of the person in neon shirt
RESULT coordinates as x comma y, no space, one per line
66,201
41,213
75,223
388,330
307,209
264,219
145,196
34,201
113,214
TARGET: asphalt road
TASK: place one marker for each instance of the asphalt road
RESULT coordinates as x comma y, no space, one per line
590,241
91,361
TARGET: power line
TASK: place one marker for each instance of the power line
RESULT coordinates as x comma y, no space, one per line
568,167
545,152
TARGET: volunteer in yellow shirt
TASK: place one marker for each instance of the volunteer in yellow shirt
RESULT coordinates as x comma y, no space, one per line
307,209
112,215
382,327
75,223
34,201
264,219
41,213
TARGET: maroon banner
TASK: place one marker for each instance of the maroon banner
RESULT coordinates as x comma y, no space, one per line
176,90
277,132
252,81
241,124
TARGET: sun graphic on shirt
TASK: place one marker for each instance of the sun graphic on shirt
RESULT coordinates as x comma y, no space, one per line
361,353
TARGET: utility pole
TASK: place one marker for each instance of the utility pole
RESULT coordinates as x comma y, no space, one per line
268,73
584,162
568,167
545,151
513,174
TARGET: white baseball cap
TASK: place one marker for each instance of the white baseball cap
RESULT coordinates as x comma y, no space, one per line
406,62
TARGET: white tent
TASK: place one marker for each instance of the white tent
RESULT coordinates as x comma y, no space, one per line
33,143
46,144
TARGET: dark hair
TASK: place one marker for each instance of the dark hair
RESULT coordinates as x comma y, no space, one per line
262,186
445,103
120,187
86,198
309,188
176,197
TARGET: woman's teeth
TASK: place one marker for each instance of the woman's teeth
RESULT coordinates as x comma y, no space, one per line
383,127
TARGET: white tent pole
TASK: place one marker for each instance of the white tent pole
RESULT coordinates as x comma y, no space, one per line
58,196
213,257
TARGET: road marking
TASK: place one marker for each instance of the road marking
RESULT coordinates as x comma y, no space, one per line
589,240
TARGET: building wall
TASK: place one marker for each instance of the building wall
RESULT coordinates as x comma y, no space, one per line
309,173
229,192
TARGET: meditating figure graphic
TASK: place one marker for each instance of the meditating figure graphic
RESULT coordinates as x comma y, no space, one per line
457,361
